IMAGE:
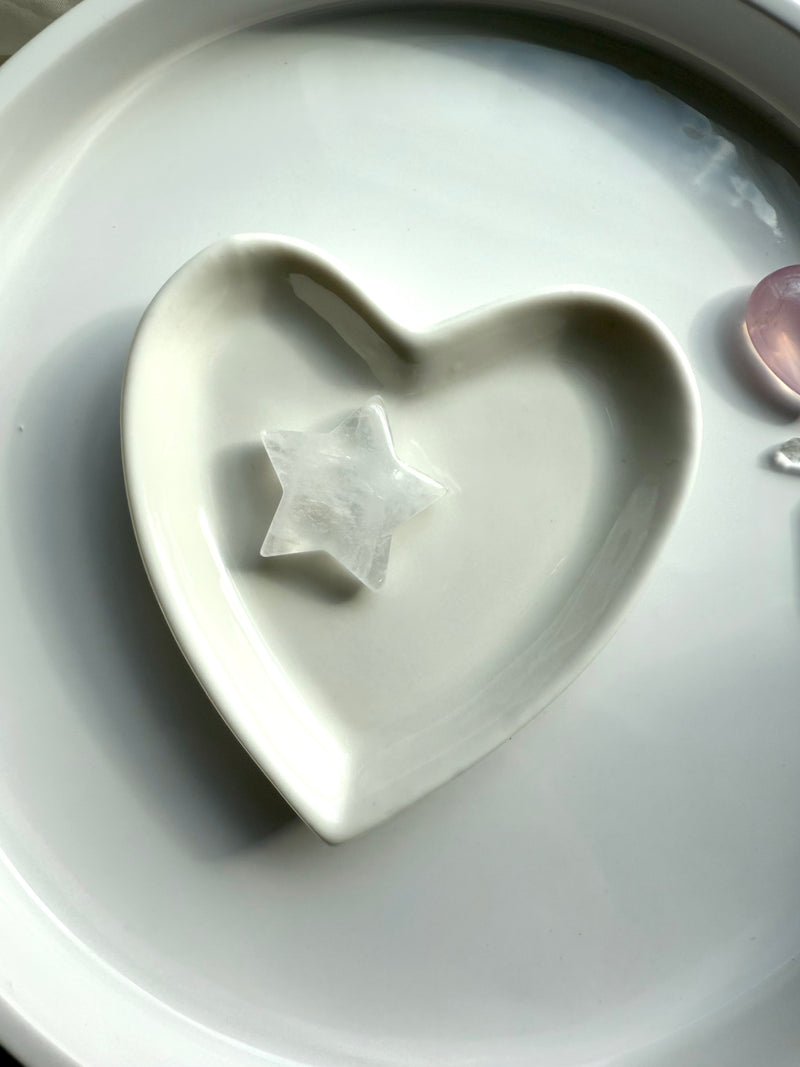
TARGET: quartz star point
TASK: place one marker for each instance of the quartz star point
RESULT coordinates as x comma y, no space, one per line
344,492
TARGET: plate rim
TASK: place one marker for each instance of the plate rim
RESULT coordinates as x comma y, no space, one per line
29,1041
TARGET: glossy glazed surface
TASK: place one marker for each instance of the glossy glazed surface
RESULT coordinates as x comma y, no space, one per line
616,884
568,427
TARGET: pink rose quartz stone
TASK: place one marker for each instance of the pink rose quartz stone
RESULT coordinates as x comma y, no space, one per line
773,323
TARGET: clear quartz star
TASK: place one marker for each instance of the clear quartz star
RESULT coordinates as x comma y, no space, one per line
344,492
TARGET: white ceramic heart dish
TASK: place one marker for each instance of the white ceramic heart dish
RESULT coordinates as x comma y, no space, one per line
567,425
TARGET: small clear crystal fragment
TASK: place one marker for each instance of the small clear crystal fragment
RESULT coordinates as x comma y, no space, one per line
786,457
344,492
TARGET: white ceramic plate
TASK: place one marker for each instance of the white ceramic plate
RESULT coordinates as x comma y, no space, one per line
617,884
568,427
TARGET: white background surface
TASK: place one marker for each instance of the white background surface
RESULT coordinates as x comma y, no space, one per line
22,19
624,874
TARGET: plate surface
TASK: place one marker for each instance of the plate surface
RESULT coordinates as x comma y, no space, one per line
617,884
567,425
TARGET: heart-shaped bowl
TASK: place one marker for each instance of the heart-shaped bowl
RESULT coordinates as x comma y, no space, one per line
567,426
